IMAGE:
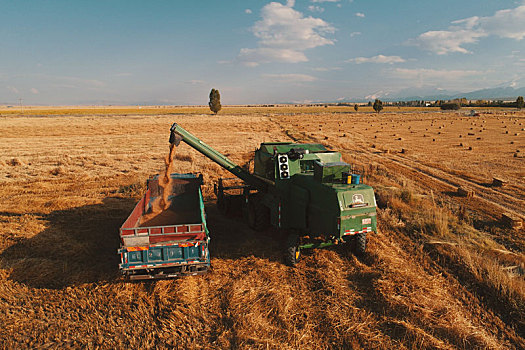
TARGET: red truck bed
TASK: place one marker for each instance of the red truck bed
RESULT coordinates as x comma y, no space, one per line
181,221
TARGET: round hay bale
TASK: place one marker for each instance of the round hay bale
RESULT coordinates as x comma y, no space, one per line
14,162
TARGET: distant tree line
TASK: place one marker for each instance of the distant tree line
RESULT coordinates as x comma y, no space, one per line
447,104
463,102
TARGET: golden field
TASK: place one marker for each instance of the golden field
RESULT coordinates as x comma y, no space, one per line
442,272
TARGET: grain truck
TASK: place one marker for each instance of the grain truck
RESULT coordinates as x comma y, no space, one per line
169,243
304,190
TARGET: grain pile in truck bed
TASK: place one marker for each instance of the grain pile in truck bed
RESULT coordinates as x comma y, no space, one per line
182,206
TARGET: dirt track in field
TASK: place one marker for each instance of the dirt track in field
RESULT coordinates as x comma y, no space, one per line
441,273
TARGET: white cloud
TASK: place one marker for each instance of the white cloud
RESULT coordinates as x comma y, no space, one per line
326,69
284,34
35,91
291,77
315,9
444,41
377,59
360,14
71,82
305,101
431,74
354,34
508,23
253,57
13,89
520,62
89,82
196,82
248,11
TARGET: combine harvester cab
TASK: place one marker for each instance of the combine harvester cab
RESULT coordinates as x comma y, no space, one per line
172,243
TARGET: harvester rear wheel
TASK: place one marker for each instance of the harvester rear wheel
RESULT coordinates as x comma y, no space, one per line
223,204
359,244
293,252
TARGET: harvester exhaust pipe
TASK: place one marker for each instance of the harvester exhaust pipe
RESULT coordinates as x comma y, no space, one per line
175,138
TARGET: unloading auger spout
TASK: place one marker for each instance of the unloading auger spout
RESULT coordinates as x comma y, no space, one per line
179,134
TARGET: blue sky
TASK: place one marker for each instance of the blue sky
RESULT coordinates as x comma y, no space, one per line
174,52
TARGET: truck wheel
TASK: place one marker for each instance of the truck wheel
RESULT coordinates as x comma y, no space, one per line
293,252
258,215
359,244
223,204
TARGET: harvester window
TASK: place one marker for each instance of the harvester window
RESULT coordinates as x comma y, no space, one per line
307,166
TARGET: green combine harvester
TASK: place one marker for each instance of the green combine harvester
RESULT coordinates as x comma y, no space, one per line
304,190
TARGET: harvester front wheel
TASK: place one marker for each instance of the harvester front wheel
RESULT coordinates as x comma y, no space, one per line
293,252
258,215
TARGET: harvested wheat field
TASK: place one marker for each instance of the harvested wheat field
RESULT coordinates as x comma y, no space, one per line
443,272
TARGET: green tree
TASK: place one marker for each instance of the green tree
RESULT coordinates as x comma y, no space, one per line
450,105
519,102
215,101
378,105
356,107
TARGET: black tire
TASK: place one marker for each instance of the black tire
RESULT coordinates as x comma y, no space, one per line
221,204
293,252
258,215
359,244
250,214
224,205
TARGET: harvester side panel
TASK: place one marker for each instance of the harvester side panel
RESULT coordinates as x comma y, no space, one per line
299,198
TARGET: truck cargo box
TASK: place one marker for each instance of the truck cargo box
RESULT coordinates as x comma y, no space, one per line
171,242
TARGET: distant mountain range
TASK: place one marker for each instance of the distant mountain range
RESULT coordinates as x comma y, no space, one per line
431,94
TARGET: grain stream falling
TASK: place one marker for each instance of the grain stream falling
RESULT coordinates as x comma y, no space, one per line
161,203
